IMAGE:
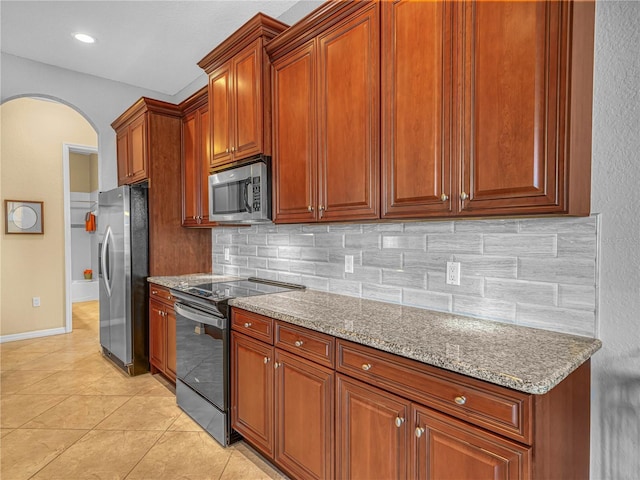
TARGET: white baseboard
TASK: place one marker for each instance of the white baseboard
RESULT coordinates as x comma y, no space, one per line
35,334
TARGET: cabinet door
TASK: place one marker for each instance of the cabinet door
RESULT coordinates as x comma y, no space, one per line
157,335
190,171
204,156
220,107
247,102
304,417
252,391
170,322
294,126
122,153
349,118
512,145
416,84
449,449
372,432
138,150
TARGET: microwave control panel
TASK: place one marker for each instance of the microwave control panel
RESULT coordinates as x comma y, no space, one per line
256,194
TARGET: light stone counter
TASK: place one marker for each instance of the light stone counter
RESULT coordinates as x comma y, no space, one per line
190,280
522,358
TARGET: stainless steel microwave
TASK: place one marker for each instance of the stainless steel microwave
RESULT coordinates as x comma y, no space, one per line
241,194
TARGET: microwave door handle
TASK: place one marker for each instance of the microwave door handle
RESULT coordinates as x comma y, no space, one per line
247,186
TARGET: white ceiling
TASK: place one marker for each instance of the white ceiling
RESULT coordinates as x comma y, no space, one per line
149,44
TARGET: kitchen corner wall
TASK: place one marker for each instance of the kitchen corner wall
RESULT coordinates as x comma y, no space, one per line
536,272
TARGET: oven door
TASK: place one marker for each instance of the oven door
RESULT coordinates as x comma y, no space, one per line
202,343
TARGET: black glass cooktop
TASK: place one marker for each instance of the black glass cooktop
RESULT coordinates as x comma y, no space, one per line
216,292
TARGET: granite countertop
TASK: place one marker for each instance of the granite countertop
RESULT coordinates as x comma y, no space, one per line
190,280
525,359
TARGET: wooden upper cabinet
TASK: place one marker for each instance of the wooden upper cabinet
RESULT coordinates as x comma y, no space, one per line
196,151
239,92
294,140
525,103
416,107
326,115
349,114
131,140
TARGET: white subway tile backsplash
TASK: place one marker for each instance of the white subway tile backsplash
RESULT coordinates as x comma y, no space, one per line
521,291
577,297
383,259
578,322
404,278
426,299
405,242
486,226
467,243
538,272
560,270
436,282
520,245
383,293
485,307
487,266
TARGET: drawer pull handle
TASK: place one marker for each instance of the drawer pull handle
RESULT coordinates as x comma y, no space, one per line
247,325
266,360
419,431
154,292
461,400
366,367
399,421
298,343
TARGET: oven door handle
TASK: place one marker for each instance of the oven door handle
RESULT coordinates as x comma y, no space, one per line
210,318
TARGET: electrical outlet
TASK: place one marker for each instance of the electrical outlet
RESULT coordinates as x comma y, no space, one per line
453,273
348,263
227,255
35,301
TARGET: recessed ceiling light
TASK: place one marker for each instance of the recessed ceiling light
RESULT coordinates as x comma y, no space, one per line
84,38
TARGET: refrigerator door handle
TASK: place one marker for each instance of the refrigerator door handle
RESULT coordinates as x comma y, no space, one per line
105,267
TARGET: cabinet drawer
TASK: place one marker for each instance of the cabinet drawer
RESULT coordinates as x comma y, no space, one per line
253,325
311,345
496,408
161,294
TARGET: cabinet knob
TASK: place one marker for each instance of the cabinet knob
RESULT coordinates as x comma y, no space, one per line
298,343
461,400
419,431
444,197
310,208
399,421
266,360
233,149
464,196
247,325
321,209
226,150
366,367
154,292
277,365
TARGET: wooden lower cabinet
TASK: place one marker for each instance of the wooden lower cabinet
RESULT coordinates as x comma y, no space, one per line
448,449
283,405
304,417
372,435
162,332
252,391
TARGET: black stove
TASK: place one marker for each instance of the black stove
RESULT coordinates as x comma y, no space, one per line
215,295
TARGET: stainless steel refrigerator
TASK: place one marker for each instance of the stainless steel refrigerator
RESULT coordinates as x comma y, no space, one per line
123,269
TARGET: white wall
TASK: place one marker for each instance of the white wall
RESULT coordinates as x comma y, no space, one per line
615,422
99,100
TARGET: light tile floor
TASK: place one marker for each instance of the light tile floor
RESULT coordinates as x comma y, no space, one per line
68,413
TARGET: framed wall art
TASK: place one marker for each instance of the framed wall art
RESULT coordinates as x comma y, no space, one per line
22,216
